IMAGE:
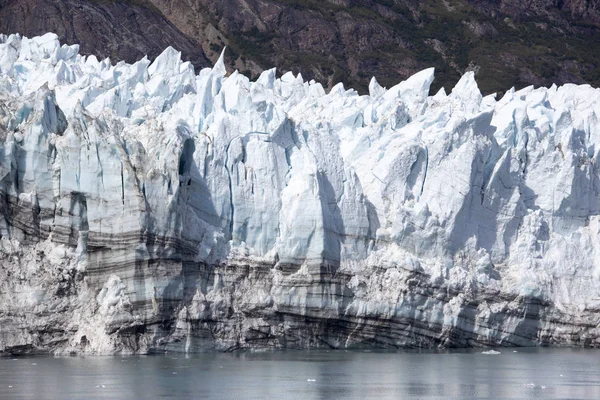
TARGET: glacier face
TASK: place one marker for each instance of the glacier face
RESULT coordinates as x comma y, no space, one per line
145,208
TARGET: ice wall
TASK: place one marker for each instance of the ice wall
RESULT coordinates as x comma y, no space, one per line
145,207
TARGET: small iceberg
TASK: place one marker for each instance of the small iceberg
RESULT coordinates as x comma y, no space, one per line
491,352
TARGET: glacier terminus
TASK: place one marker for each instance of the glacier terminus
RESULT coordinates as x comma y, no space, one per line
144,208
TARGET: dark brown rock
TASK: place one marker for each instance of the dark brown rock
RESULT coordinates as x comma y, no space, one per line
122,30
352,40
508,42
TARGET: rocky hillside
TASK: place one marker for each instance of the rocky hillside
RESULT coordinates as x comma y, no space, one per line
123,30
507,42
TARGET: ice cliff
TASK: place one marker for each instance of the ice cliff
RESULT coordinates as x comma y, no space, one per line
145,208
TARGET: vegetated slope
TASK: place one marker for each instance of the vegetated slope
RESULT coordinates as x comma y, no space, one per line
507,42
123,30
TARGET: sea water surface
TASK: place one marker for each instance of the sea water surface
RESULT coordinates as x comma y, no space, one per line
336,374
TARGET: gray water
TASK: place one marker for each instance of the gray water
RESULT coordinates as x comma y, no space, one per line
525,374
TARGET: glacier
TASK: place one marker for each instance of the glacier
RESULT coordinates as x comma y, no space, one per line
145,208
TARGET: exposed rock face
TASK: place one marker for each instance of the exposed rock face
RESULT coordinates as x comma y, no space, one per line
508,42
577,9
147,208
123,29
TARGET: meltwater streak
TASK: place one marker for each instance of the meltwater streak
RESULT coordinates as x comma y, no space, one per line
526,374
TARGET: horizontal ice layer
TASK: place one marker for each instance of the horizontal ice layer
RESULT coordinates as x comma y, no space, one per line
160,195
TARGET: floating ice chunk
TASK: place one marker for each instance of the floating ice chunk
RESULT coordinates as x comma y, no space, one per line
491,352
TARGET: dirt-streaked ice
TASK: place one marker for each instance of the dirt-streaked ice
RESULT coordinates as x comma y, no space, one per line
145,207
